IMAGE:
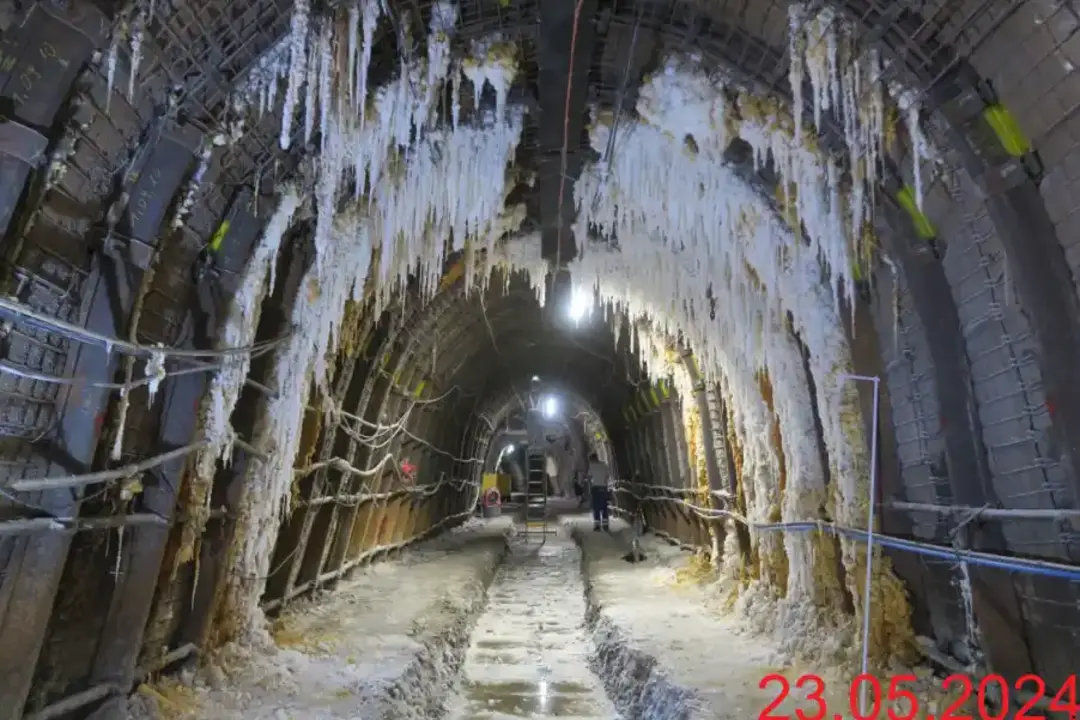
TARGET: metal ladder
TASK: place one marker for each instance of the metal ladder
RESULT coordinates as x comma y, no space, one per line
536,497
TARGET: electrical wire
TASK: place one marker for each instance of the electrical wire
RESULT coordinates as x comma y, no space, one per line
564,152
81,334
385,434
70,481
365,493
20,372
973,557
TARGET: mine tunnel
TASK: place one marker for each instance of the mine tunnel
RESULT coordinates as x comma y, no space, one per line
328,329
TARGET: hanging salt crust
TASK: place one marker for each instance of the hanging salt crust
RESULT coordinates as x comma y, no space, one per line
238,330
684,229
417,186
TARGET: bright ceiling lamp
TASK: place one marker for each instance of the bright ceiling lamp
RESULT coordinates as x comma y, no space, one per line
580,305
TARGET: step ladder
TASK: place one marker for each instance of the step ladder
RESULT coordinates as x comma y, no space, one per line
536,497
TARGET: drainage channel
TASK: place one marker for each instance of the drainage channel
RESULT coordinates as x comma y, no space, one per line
529,652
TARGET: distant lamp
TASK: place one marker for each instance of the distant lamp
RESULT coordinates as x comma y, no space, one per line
508,450
536,378
580,305
549,406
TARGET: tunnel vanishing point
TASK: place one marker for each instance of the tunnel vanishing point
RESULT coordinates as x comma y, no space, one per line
260,253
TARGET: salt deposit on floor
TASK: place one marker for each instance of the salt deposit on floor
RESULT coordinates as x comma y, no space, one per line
666,652
529,652
386,644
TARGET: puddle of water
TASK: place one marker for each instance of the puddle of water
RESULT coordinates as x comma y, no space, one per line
498,644
530,699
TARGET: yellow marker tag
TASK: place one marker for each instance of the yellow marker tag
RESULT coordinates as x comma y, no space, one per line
1008,131
664,389
923,227
419,389
655,398
219,235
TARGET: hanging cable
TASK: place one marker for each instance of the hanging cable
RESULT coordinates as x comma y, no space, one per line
70,481
974,557
8,368
81,334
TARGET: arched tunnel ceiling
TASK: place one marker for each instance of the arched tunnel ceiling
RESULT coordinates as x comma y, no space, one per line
147,193
491,343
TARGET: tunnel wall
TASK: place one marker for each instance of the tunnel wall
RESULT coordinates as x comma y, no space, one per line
974,339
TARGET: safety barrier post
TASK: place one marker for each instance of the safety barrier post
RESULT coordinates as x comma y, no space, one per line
869,533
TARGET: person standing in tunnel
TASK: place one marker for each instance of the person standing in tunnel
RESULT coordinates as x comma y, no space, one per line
599,476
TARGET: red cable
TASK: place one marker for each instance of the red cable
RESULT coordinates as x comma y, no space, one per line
566,131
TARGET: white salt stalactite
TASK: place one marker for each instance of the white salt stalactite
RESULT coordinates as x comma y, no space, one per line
656,190
191,190
315,316
311,85
116,452
138,32
155,371
238,330
110,68
298,49
325,57
796,66
371,14
418,185
909,109
352,50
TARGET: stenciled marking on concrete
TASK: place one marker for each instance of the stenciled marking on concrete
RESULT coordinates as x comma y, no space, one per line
528,657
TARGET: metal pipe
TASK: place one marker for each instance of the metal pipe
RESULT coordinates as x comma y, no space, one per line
872,503
73,702
70,481
100,692
986,512
30,526
173,656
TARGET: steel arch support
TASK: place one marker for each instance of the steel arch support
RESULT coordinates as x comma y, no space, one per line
994,597
712,467
27,593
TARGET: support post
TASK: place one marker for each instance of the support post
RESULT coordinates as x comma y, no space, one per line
712,467
872,504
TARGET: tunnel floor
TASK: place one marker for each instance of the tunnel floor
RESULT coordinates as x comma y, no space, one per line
529,651
486,624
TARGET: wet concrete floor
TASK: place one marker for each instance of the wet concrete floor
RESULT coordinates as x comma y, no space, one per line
528,657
